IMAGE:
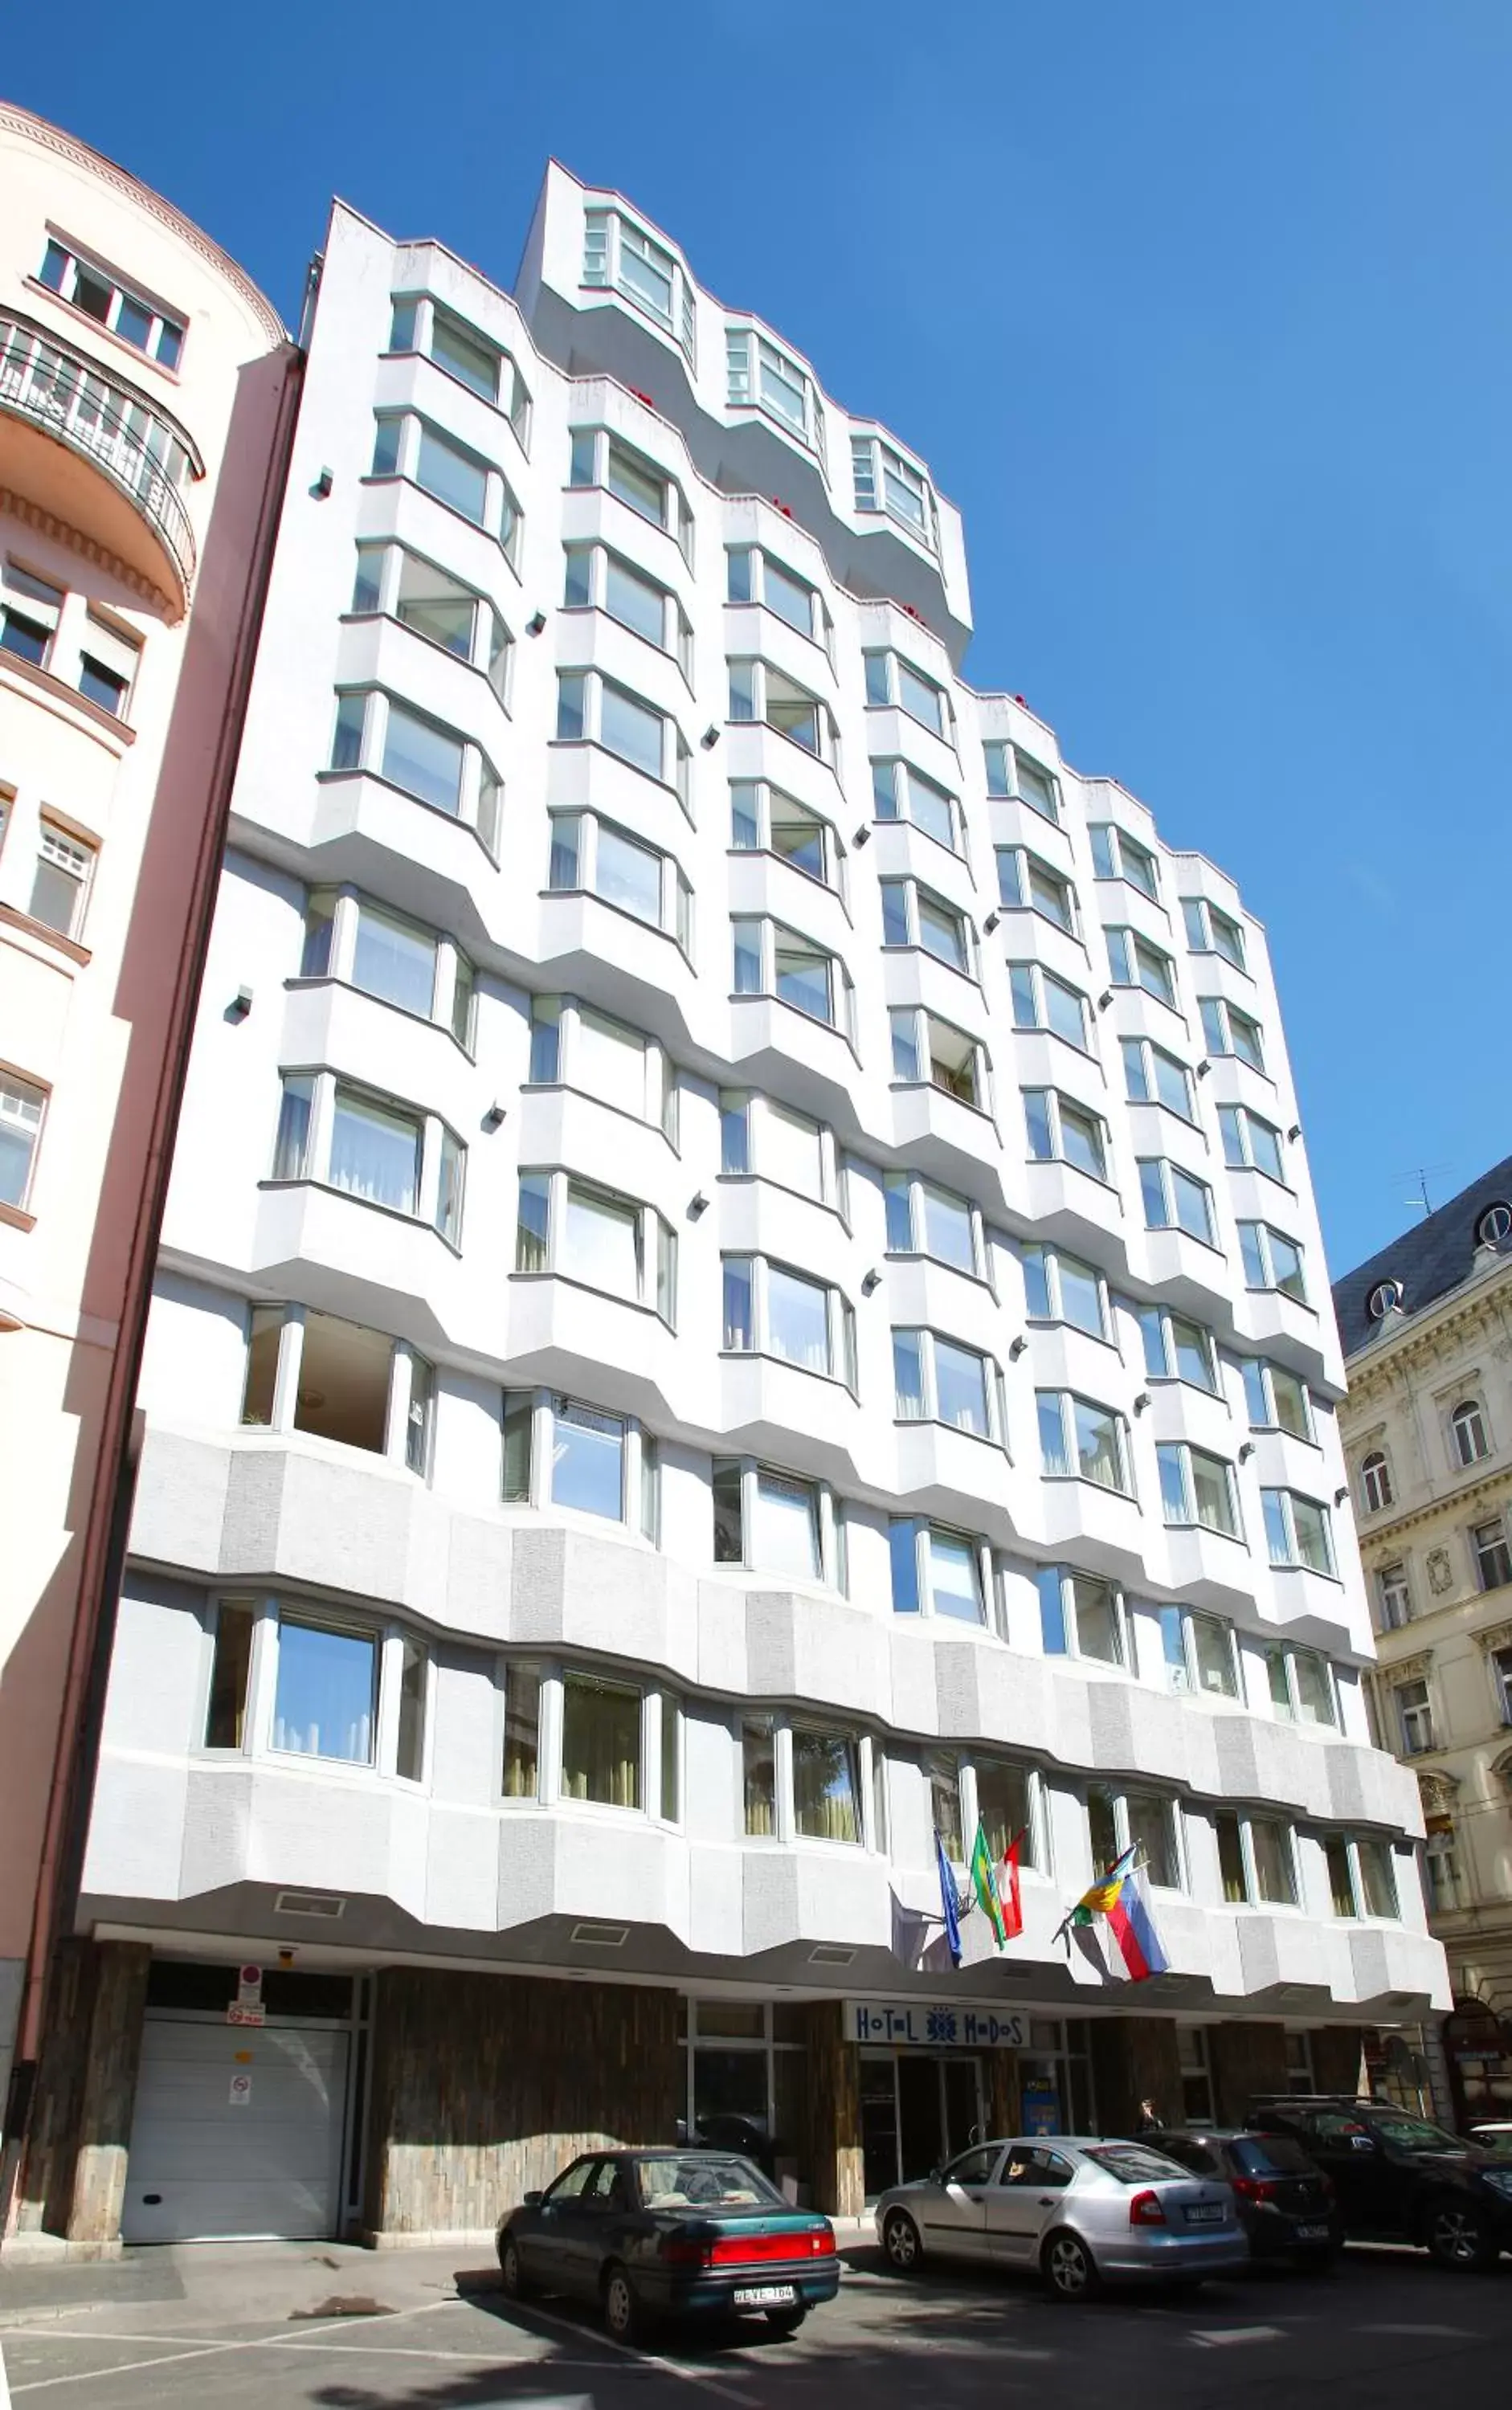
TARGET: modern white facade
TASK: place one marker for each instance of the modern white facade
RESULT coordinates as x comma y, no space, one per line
740,1279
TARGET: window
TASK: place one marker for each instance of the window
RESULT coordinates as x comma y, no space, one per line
1005,1808
892,680
1175,1200
1301,1685
913,916
394,961
225,1708
421,324
1133,962
1271,1260
1153,1077
348,936
1011,771
108,660
29,609
1467,1424
561,1452
1026,884
1275,1866
944,1775
378,1150
1414,1716
1080,1616
762,1139
1495,1226
1493,1557
1375,1481
593,709
901,792
938,1571
406,445
401,584
1211,932
929,1051
1043,1001
770,1310
61,881
1198,1652
1277,1398
761,693
884,481
594,1235
1376,1861
1060,1288
939,1380
758,1756
600,1742
522,1731
148,326
575,1046
924,1219
620,255
1226,1030
759,375
388,740
1061,1131
1501,1675
1144,1820
775,1522
22,1107
590,856
1196,2075
1233,1874
326,1699
1176,1349
772,959
1250,1143
1441,1859
752,575
825,1786
598,458
1393,1598
1297,1531
1080,1440
1117,855
763,820
1384,1299
1197,1488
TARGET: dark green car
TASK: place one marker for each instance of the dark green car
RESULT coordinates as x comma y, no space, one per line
669,2234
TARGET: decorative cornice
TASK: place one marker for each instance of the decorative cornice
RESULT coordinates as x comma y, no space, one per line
1495,1635
1451,1503
72,539
21,123
1409,1669
1380,1361
1438,1792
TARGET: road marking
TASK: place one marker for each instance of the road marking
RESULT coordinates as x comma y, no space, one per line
5,2390
1238,2334
1457,2334
198,2351
642,2358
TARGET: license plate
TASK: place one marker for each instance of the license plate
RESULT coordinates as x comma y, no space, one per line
1205,2212
1312,2234
762,2297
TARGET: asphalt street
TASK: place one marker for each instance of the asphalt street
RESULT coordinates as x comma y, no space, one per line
327,2328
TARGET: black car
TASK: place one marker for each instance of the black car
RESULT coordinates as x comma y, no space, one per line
1397,2178
670,2233
1286,2204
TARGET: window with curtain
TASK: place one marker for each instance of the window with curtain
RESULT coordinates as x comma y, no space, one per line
522,1732
603,1242
375,1153
826,1794
1004,1810
394,961
758,1757
944,1777
1231,1859
961,1387
601,1743
954,1569
1275,1872
797,1313
325,1701
787,1536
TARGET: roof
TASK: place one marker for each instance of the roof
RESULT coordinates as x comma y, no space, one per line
1428,1260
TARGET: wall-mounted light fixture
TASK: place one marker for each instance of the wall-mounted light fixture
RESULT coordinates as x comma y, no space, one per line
322,485
239,1006
1203,1069
1141,1401
536,625
862,836
709,738
494,1115
871,1280
698,1205
1295,1132
1340,1495
1016,1348
1247,1451
1105,999
991,922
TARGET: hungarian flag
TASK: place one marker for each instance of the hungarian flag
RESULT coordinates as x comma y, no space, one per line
1008,1889
985,1881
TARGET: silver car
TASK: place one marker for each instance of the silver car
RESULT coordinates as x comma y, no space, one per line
1076,2208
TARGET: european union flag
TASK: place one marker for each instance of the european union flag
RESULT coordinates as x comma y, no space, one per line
949,1902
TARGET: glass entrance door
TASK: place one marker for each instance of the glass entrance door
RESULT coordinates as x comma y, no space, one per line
917,2110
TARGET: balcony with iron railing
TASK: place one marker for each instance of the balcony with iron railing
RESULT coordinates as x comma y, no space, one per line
89,453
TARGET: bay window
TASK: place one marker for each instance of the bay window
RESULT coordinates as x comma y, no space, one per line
1117,855
1249,1143
1226,1030
1153,1077
901,792
598,458
892,681
385,738
421,324
337,1380
761,375
573,1230
1177,1349
940,1380
1144,1820
574,1045
775,1522
562,1452
1043,1001
1271,1260
1175,1200
591,856
1297,1531
1133,962
620,257
1197,1488
407,447
924,1219
760,692
937,1571
1027,884
1301,1684
1011,772
1082,1441
761,1139
754,576
592,709
931,1053
1362,1876
763,820
326,1697
883,481
1198,1652
1060,1288
826,1785
770,959
1080,1616
1211,932
372,1147
1061,1131
770,1310
1271,1866
912,915
600,1742
349,937
598,579
1277,1398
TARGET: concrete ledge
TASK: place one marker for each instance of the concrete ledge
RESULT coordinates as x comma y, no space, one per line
54,2251
458,2239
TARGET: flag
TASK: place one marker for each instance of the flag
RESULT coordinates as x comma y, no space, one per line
1133,1928
985,1882
1100,1897
949,1903
910,1928
1008,1890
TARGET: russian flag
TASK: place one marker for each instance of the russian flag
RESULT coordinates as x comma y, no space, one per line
1133,1929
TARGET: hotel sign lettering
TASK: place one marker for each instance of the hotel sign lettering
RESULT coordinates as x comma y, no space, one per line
929,2026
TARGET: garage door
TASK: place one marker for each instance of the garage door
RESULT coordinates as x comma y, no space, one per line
237,2132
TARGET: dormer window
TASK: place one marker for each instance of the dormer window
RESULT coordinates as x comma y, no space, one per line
1384,1299
1494,1227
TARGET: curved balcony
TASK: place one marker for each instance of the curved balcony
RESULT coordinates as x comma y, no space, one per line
84,449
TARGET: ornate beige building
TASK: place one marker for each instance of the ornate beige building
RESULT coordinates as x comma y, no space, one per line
1427,1331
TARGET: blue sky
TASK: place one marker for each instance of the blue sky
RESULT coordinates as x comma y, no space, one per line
1200,308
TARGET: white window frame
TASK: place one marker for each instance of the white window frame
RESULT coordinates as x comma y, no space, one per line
1034,975
1240,1121
766,795
828,1523
756,1109
491,648
1377,1489
1468,1419
1181,1452
564,1014
1394,1597
914,894
399,1426
1163,1165
163,322
1270,1286
1484,1550
1067,1400
1111,843
840,1319
748,351
1254,1895
1258,1370
1163,1317
1219,1018
676,920
676,638
440,1195
1056,1103
873,460
1286,1511
1062,1579
894,782
74,856
911,1184
1026,864
771,931
455,976
911,1537
1149,1056
1118,1797
605,227
995,1434
759,561
639,1498
656,1244
359,746
750,678
591,466
1049,1254
23,1107
1202,919
415,333
918,1043
1184,1666
676,755
1284,1653
1132,955
1004,763
884,668
502,519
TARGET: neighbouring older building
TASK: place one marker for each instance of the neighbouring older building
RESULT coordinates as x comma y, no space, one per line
146,389
740,1291
1427,1330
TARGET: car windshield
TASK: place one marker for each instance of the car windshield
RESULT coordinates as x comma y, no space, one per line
1131,2163
1270,2154
703,2180
1414,2134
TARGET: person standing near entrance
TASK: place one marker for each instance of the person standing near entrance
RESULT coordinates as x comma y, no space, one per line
1149,2120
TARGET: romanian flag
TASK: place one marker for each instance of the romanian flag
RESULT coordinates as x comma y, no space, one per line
1133,1928
985,1882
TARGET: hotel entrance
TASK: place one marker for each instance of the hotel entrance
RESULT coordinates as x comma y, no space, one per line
917,2108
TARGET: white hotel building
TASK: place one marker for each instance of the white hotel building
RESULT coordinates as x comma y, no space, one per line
740,1286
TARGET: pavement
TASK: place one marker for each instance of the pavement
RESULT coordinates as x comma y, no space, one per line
329,2327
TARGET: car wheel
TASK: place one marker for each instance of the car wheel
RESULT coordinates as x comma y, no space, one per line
623,2312
786,2322
512,2270
900,2240
1070,2269
1458,2236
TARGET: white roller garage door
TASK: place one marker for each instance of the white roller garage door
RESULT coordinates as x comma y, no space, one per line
208,2165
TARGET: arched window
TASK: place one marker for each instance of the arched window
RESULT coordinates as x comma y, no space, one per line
1494,1227
1468,1424
1383,1299
1375,1479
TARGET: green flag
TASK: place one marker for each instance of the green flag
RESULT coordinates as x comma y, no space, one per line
983,1876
